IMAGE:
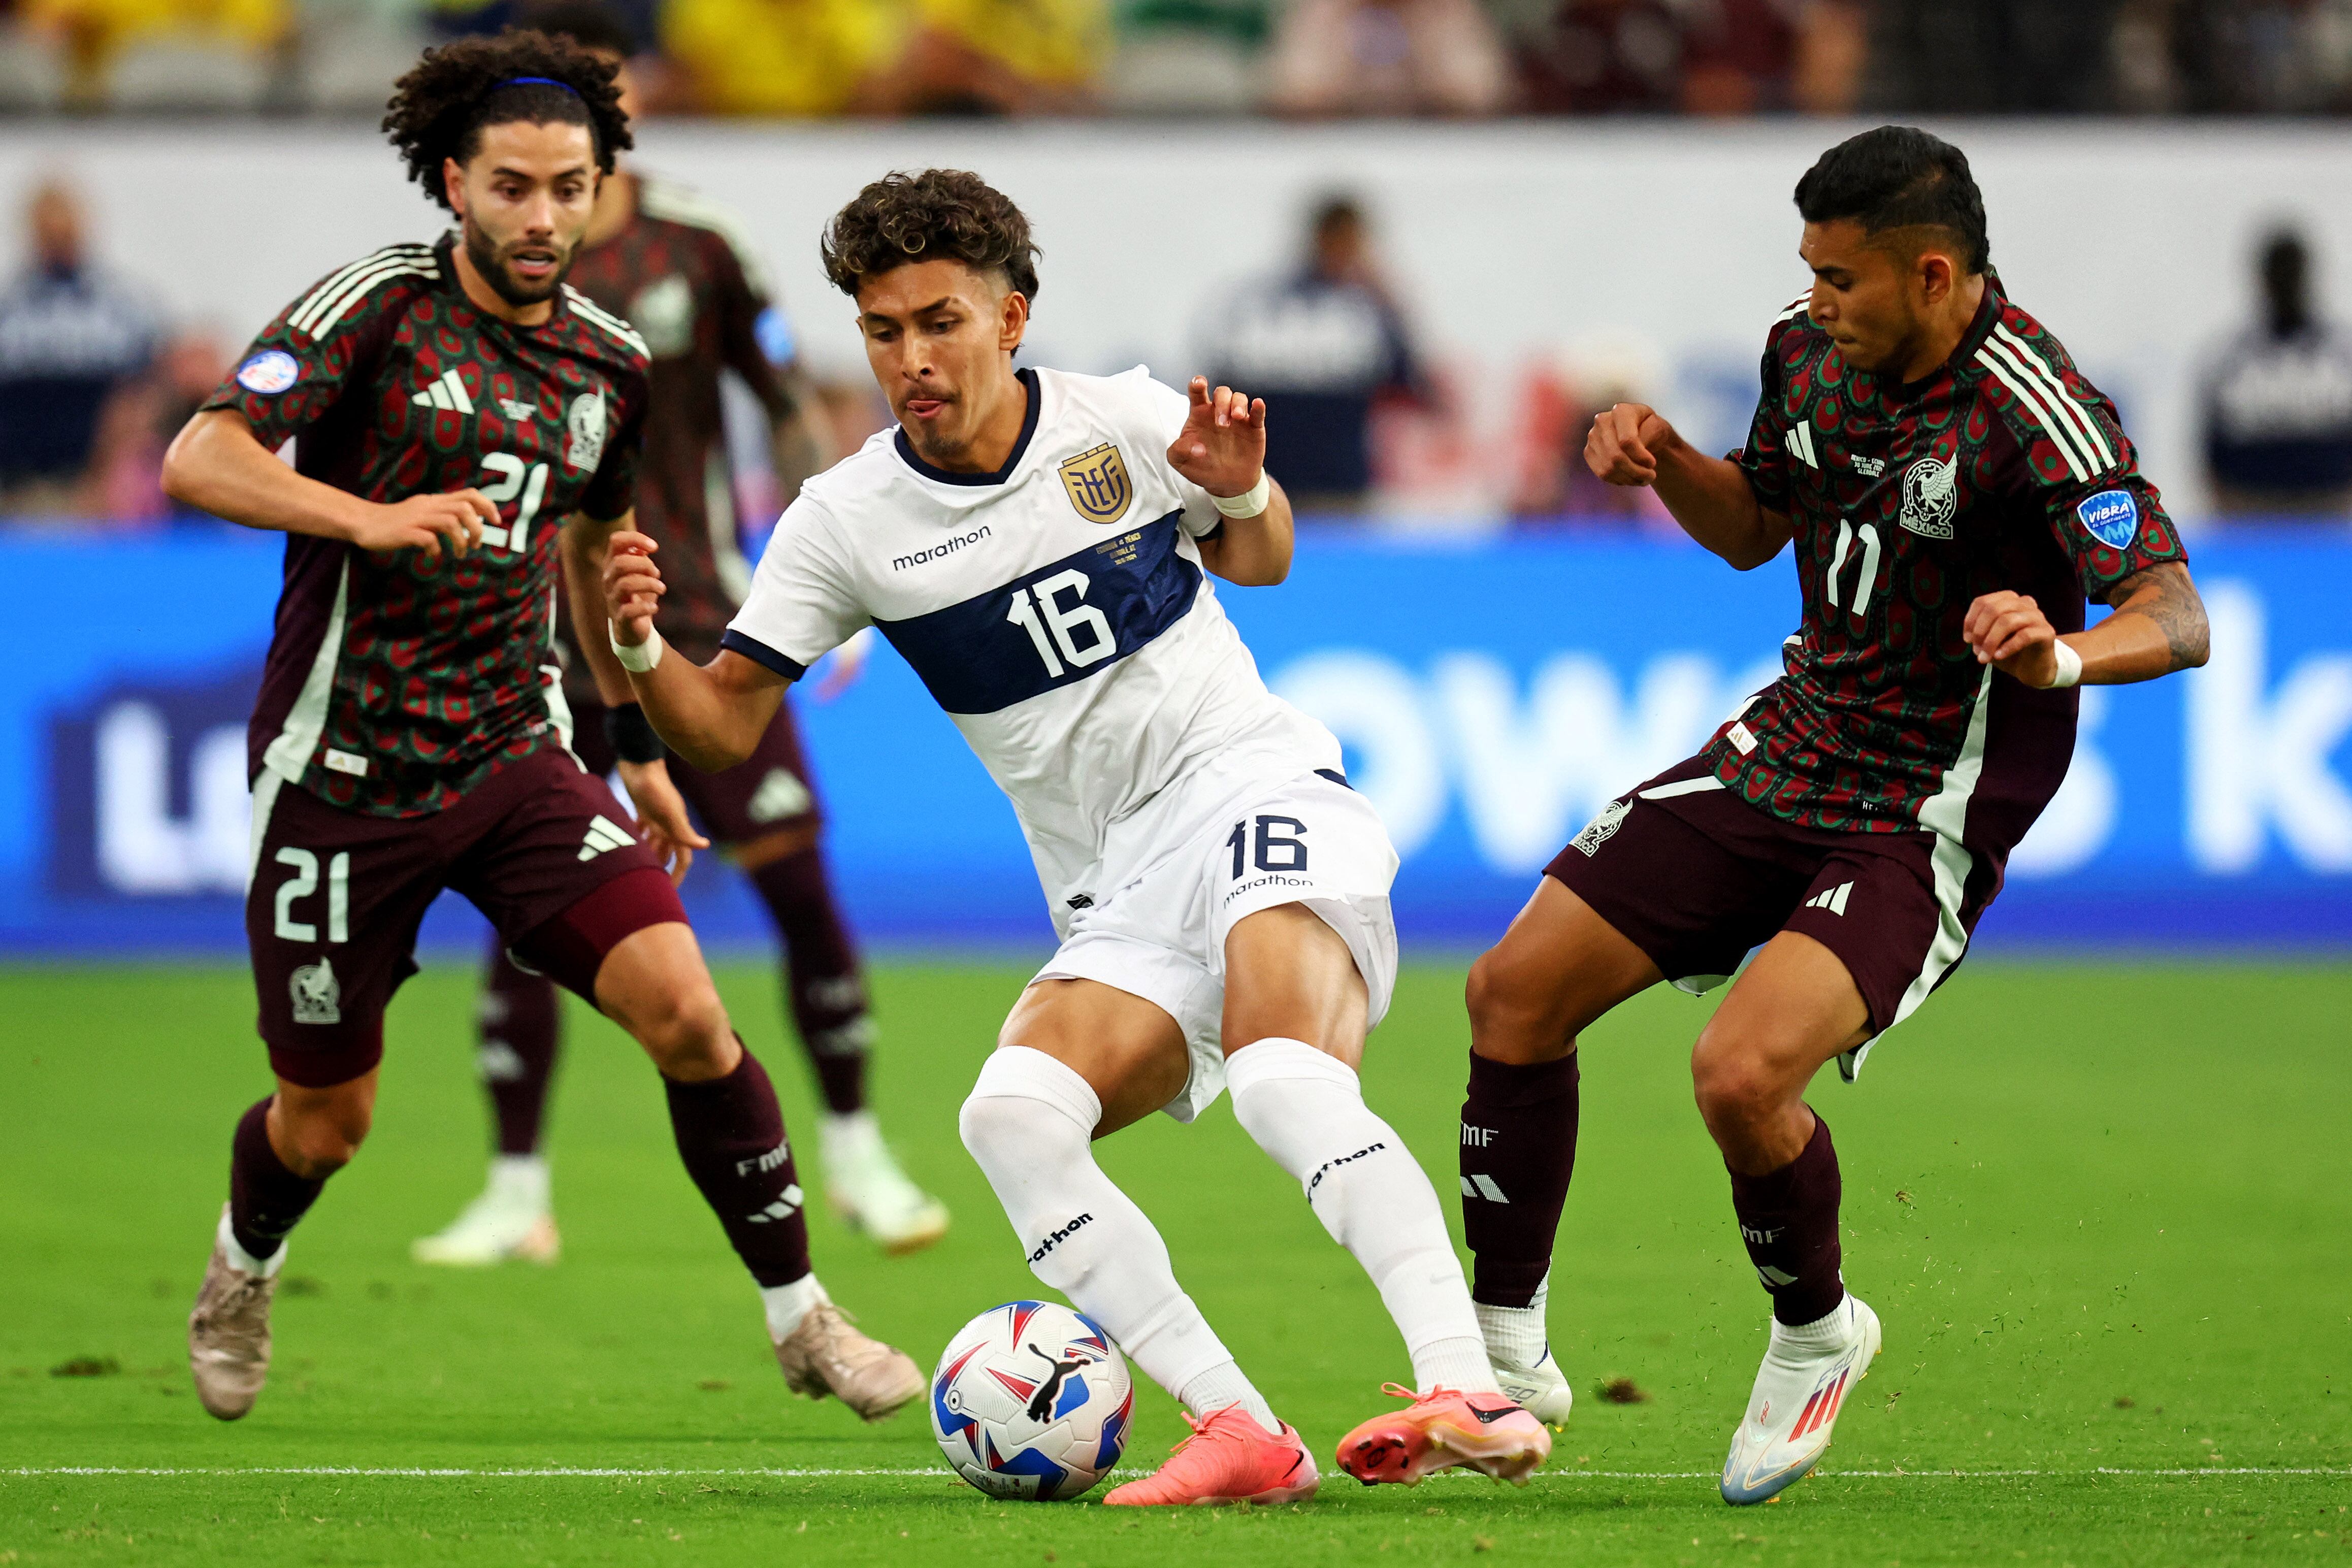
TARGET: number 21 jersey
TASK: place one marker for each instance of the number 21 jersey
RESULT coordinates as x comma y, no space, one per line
396,682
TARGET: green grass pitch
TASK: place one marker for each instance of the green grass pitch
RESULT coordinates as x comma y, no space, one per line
2103,1210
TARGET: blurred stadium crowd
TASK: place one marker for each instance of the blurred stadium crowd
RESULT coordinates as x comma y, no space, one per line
1294,58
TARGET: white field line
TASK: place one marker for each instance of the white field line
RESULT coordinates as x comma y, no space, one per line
561,1472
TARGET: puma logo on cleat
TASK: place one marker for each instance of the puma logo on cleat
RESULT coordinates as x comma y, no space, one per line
605,833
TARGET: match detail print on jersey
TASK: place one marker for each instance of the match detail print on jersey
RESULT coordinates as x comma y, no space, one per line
1073,615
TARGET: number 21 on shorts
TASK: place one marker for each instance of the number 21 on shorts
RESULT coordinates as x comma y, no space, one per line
302,884
1279,843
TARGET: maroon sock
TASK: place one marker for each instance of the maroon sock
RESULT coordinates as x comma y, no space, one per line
520,1022
821,985
265,1198
1518,1150
1788,1218
730,1134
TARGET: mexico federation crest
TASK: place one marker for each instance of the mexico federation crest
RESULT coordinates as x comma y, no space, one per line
1930,497
318,999
583,431
1601,828
1097,482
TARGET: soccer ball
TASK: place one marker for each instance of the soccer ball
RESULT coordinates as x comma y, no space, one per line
1032,1401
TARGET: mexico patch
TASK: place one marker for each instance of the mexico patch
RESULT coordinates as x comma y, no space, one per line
268,372
2111,517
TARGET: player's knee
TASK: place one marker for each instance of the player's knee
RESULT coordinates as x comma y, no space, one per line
992,1125
1513,1009
1732,1078
323,1136
682,1028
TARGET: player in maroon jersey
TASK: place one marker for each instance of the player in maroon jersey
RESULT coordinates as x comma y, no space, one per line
661,258
1955,490
465,425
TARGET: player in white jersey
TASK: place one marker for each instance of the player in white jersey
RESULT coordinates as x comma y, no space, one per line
1035,543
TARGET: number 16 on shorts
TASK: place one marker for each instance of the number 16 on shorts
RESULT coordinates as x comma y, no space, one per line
1278,844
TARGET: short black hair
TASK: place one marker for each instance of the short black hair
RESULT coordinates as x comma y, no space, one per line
439,108
590,24
1332,210
938,215
1896,177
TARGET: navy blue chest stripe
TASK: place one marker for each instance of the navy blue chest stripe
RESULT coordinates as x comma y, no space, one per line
1053,626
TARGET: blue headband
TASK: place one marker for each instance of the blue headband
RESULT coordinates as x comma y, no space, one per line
537,81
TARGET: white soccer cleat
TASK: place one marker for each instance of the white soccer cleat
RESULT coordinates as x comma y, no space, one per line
228,1333
1540,1390
1807,1376
866,1188
510,1219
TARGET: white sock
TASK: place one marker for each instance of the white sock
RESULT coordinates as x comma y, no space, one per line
786,1305
1029,1123
1306,1109
520,1181
1222,1387
1516,1336
238,1258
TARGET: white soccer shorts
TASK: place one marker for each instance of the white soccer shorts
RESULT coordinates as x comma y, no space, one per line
1180,873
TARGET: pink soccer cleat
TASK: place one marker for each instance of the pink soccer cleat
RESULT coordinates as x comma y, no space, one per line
1441,1429
1228,1458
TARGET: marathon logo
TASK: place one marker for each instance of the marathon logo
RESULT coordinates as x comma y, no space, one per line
1330,1165
900,563
1058,1237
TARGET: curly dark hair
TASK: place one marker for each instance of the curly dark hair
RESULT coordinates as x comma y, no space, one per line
939,214
437,110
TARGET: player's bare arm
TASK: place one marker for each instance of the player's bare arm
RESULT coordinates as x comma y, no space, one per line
712,715
1630,445
218,465
661,811
2159,627
1221,449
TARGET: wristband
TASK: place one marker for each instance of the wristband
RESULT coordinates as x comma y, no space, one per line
637,659
2070,666
631,734
1251,501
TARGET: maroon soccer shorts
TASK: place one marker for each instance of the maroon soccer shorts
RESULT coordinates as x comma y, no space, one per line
766,793
539,846
1695,876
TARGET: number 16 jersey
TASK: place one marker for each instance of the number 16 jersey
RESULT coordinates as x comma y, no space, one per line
1056,609
396,682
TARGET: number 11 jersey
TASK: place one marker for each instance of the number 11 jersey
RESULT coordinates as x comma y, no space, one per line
1056,609
396,683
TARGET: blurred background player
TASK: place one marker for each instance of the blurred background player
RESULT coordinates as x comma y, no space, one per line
464,425
2278,401
1325,341
1955,490
675,268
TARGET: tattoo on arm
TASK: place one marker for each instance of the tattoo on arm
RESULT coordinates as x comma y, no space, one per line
2166,595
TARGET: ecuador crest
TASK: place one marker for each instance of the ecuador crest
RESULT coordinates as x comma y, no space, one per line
1097,482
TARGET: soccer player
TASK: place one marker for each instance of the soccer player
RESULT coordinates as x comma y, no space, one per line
1034,544
1956,490
462,424
664,261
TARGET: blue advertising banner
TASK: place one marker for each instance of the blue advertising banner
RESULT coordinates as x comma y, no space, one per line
1492,697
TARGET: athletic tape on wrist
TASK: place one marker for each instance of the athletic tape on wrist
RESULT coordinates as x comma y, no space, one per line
1251,501
637,659
2070,666
631,734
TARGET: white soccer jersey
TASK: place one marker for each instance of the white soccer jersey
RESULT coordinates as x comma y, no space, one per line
1056,609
